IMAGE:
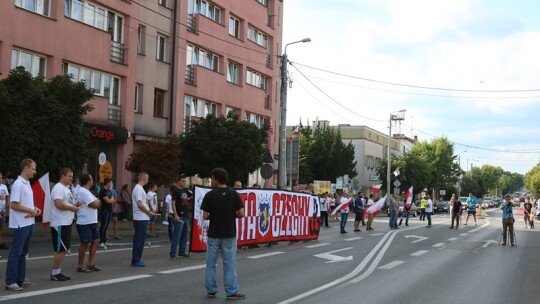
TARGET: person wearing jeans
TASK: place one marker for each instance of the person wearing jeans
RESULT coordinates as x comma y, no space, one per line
222,206
178,225
141,217
429,210
181,197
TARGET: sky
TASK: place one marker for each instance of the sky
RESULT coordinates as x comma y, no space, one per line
468,70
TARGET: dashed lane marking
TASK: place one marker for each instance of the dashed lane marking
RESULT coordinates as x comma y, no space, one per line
265,255
419,253
391,265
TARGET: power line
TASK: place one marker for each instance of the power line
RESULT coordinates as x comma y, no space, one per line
417,86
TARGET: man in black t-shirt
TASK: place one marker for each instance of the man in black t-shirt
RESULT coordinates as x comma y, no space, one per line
222,206
105,211
180,201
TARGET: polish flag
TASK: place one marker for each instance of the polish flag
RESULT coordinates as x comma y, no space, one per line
42,197
408,197
376,208
376,188
396,172
343,205
295,133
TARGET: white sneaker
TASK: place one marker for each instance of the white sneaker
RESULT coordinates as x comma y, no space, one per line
103,245
14,287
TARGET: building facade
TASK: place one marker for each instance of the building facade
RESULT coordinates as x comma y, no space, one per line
155,65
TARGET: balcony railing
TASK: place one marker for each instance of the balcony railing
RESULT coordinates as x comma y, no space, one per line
117,52
189,76
268,61
192,23
267,103
114,116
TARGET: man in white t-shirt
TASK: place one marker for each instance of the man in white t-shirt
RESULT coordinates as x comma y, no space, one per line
63,211
429,211
22,213
170,213
4,197
151,197
87,218
141,217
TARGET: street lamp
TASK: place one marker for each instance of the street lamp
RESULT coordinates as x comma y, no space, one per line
459,158
400,115
282,176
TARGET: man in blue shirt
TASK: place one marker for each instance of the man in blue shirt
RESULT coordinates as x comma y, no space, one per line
507,219
472,201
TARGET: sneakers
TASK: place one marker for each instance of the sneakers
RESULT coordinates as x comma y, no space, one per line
138,264
27,283
83,270
14,287
237,296
59,277
184,256
103,245
173,257
211,295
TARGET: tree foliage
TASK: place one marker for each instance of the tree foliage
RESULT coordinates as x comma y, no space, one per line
227,142
159,158
532,180
325,157
414,170
43,120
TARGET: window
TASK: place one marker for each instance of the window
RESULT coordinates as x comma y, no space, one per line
199,107
256,79
138,97
33,63
263,2
103,84
41,7
94,15
256,119
161,44
233,72
159,102
141,39
258,37
234,27
232,110
196,55
207,9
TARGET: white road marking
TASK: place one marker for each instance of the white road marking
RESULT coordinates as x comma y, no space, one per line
264,255
420,238
183,269
488,243
464,234
419,253
332,258
317,245
391,265
453,239
439,245
353,239
376,234
72,287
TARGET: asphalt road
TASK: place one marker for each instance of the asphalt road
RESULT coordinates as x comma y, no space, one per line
414,264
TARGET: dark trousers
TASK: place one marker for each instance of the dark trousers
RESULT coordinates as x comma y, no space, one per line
105,220
138,240
508,228
455,216
324,218
422,214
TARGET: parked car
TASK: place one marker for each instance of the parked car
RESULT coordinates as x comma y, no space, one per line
463,200
488,202
441,207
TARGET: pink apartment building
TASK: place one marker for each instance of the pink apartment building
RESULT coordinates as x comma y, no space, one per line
155,65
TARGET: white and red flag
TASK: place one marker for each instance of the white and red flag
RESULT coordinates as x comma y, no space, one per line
295,133
376,188
396,172
376,208
408,197
344,203
42,197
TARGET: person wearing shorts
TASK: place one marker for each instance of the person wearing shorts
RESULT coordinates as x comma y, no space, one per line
87,218
472,201
63,211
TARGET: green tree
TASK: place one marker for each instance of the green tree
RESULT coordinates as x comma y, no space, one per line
469,184
227,142
532,180
439,153
414,169
43,120
489,176
328,157
159,158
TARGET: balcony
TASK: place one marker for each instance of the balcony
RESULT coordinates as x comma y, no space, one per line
117,52
269,61
114,115
192,23
189,76
267,102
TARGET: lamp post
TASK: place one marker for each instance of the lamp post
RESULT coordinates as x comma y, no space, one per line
400,115
282,176
459,158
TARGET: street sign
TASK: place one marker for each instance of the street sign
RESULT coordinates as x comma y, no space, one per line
442,192
397,183
266,171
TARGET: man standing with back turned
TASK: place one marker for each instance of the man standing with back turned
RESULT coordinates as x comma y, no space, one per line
222,206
